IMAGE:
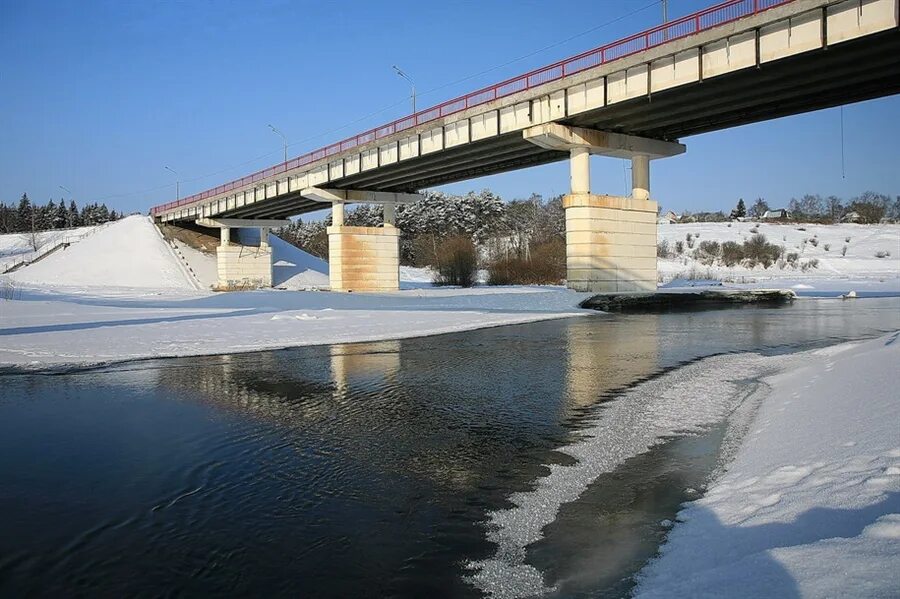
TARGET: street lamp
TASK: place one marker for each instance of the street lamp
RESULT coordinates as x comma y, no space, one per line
405,76
66,189
283,140
177,182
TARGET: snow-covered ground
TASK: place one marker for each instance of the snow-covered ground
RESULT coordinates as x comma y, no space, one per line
810,506
859,265
15,247
124,293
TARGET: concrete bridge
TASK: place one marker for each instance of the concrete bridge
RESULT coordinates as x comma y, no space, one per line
735,63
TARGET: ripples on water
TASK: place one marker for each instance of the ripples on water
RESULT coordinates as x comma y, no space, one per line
358,470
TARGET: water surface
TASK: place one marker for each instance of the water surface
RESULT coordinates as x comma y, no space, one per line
357,470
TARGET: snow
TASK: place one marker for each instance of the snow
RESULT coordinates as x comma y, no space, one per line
858,266
129,253
295,269
53,329
15,247
815,485
810,506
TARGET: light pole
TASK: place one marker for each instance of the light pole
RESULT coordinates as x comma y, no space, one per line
283,140
177,183
66,189
405,76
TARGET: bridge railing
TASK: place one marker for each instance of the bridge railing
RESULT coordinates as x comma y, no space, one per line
714,16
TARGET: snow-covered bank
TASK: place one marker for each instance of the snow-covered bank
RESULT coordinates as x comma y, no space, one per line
52,329
822,461
847,254
810,506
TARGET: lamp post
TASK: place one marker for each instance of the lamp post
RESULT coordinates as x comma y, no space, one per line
405,76
177,183
283,140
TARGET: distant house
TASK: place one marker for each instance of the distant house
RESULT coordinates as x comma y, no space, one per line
667,219
776,214
851,217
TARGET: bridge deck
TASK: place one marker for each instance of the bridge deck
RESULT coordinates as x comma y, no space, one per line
850,71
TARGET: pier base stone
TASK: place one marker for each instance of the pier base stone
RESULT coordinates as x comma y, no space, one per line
610,243
244,267
364,258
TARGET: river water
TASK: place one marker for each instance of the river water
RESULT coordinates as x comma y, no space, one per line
362,469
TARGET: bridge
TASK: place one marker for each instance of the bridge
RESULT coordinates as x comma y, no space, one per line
738,62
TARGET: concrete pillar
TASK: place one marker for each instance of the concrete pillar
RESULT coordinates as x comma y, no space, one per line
337,214
640,177
610,243
225,236
390,215
580,170
364,258
264,237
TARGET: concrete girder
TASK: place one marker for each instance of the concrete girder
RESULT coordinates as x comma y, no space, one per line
360,196
241,223
554,136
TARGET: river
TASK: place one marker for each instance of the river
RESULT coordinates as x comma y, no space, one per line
361,469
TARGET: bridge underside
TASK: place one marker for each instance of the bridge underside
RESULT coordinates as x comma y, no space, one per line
848,72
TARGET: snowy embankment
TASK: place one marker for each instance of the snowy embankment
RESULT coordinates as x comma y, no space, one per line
810,506
856,267
18,247
810,501
124,294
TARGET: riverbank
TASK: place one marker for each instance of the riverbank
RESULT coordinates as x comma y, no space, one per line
810,506
44,329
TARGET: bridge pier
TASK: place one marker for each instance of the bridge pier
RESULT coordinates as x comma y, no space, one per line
362,258
242,266
610,240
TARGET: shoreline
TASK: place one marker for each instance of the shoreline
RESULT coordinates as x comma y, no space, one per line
814,479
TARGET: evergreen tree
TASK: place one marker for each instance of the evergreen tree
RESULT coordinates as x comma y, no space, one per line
740,211
24,214
73,219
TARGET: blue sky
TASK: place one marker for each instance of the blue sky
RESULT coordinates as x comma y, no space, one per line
100,96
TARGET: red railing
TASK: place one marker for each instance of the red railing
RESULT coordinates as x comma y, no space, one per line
708,18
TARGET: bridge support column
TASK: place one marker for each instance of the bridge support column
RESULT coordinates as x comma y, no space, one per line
363,258
243,266
610,240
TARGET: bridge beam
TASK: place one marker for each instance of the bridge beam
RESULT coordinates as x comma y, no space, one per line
610,240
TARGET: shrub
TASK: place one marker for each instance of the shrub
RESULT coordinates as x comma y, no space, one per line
545,266
679,247
732,253
844,251
801,228
662,249
827,247
813,242
457,262
708,251
847,239
809,264
754,230
792,258
757,250
882,254
689,239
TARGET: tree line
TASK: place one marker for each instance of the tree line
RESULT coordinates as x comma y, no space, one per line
511,229
868,208
29,217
